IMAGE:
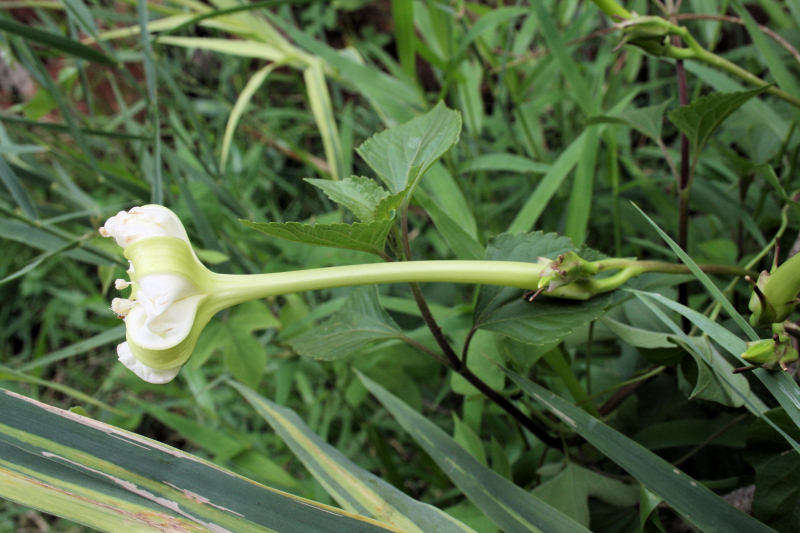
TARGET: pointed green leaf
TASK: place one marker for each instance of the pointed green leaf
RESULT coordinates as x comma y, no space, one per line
509,506
360,322
700,118
362,196
363,236
401,155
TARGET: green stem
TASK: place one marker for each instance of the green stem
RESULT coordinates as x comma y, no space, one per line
233,289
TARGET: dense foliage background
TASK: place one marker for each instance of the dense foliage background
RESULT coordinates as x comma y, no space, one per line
224,110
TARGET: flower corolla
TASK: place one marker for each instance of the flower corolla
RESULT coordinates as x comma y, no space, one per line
164,313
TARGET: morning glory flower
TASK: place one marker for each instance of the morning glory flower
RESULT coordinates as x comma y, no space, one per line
160,312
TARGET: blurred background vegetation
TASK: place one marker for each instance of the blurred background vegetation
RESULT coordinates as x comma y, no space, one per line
221,112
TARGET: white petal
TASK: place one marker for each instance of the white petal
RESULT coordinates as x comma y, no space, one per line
141,222
157,292
149,374
165,330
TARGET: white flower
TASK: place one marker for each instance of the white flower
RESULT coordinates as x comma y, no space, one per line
161,310
141,222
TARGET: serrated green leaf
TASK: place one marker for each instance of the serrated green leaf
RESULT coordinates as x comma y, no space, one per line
509,506
700,118
545,320
362,236
353,487
401,155
362,196
360,322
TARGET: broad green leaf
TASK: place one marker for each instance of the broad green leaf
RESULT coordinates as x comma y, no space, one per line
242,353
523,247
353,487
53,40
50,458
509,506
569,492
363,236
253,84
693,501
543,321
360,322
715,378
503,163
700,118
362,196
691,432
757,112
447,193
504,311
401,155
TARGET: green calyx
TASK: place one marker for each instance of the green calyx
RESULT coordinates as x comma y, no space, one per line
775,293
770,352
